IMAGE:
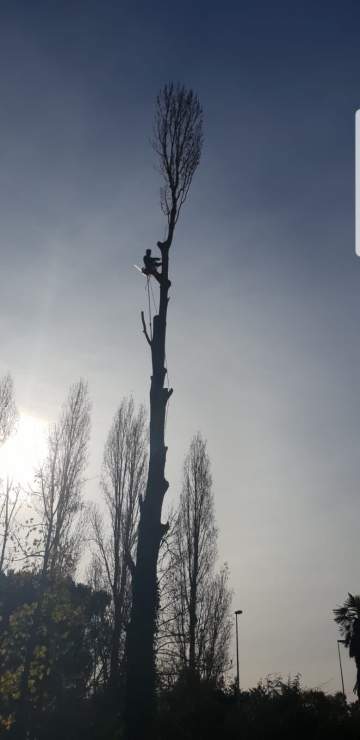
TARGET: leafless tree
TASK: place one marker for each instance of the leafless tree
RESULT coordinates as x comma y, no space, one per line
8,412
214,632
9,500
195,627
58,505
58,486
195,544
177,141
123,484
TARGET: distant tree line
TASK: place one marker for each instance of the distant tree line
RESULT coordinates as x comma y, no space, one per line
62,642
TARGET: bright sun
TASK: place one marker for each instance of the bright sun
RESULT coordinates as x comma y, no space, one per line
24,450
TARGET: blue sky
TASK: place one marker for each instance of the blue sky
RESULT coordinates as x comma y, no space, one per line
263,343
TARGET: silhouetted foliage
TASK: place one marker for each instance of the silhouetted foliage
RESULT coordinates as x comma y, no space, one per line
348,619
275,709
67,630
64,701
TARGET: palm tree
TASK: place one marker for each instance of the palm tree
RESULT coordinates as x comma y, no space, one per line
348,619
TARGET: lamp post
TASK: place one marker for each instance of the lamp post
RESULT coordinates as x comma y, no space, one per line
238,611
341,670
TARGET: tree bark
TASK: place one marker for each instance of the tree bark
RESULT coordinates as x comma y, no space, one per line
141,679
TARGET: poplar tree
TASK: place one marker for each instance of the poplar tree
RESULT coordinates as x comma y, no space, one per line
177,141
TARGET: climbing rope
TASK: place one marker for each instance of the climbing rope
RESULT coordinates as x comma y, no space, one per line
153,298
148,285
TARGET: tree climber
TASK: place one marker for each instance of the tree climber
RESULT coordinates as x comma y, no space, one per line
151,264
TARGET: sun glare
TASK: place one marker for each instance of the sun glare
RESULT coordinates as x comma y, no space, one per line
24,450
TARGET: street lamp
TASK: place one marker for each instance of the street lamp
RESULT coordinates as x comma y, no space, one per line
341,670
238,611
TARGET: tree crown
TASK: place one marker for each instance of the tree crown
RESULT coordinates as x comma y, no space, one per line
178,139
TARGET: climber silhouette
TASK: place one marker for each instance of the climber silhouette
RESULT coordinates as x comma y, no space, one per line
150,265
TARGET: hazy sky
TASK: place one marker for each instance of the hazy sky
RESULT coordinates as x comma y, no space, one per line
263,343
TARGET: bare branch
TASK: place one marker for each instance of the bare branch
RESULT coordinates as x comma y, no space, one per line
59,484
9,497
177,140
145,329
8,411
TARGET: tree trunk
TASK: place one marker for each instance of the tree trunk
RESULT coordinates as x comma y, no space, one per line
357,685
177,142
115,646
192,622
118,627
193,603
140,639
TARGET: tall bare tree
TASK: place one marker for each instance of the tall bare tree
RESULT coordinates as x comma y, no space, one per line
57,537
59,483
123,484
177,142
195,628
195,542
8,412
